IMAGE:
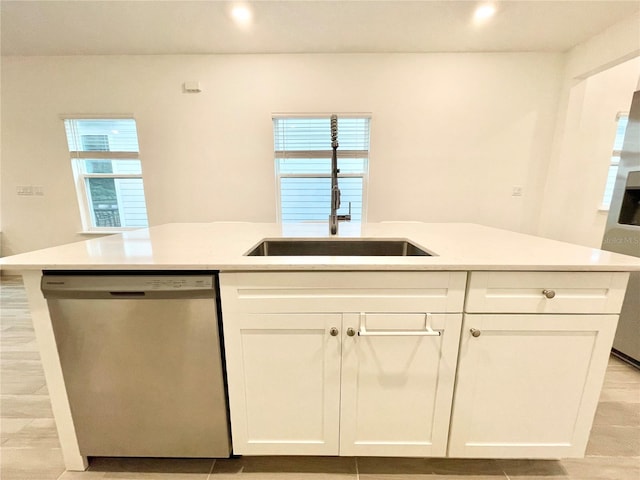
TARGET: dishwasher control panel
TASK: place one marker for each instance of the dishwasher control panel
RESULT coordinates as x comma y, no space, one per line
123,284
177,283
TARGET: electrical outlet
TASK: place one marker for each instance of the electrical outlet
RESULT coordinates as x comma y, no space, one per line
38,190
516,191
24,190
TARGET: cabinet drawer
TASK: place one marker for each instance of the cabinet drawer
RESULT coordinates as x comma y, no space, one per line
546,292
286,292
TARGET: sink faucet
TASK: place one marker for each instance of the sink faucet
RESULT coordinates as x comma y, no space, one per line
334,218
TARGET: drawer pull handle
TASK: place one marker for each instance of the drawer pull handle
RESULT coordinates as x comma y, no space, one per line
333,331
475,332
400,333
351,332
549,293
427,332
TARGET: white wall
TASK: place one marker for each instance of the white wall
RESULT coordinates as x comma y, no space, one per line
599,81
451,133
577,181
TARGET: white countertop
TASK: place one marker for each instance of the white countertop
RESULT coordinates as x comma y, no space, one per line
221,246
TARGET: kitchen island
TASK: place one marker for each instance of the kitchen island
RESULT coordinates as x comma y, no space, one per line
495,345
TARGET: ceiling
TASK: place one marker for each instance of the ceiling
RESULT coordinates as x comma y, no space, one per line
88,27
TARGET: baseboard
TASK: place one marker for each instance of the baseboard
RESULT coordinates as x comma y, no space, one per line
626,358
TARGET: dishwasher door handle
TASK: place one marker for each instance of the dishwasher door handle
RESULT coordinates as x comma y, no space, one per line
127,294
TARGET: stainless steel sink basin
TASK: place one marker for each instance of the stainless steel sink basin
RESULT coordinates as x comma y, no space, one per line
341,247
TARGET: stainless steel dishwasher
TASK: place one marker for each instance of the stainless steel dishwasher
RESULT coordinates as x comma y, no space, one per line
142,364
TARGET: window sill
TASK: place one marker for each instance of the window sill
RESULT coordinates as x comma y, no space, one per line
105,232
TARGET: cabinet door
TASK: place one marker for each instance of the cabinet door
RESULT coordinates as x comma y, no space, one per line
284,381
528,385
397,387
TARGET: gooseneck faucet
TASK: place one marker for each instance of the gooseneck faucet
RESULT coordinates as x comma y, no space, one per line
334,218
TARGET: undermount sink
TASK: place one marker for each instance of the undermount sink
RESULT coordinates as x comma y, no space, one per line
341,247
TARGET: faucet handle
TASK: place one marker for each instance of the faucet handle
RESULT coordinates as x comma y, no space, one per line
345,218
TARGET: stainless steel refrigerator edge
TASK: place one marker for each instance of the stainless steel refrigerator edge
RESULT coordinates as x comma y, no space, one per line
142,365
622,234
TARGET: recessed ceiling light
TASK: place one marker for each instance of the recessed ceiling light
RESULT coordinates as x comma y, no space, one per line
241,14
484,12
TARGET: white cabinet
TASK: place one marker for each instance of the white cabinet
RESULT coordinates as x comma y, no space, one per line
302,380
397,385
528,384
284,378
364,363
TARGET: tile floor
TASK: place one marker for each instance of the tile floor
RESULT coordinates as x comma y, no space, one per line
29,447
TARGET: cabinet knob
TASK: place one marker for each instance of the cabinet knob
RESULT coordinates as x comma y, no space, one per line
549,293
475,332
351,332
333,331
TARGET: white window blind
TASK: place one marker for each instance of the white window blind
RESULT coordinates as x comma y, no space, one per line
108,173
303,165
622,120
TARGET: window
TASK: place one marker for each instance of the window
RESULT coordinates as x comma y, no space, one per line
303,166
622,119
108,173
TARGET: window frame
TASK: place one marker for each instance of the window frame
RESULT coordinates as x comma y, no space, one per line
614,161
81,177
323,154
